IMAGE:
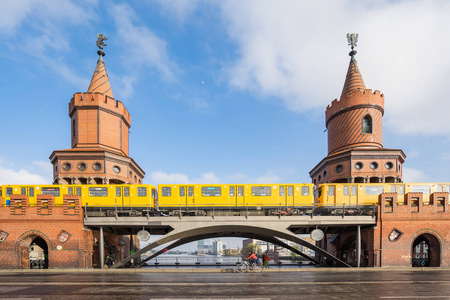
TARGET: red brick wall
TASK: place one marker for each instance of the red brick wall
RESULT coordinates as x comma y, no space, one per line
27,223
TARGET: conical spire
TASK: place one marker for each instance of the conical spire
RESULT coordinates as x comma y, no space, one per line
100,82
354,80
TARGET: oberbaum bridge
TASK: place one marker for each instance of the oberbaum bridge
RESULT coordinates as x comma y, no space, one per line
72,239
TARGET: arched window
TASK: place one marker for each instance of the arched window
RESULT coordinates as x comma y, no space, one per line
367,124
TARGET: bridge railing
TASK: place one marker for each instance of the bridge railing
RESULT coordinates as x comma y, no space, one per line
213,210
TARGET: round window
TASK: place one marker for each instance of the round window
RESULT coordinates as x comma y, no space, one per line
82,167
97,166
320,178
324,174
116,169
373,165
358,165
339,168
389,165
67,167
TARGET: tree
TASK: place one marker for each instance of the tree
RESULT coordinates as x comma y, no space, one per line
293,254
247,248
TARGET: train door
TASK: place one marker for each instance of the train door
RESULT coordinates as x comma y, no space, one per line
122,198
186,195
350,196
330,195
286,195
236,195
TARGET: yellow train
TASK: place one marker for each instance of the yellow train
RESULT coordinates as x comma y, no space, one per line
224,199
235,199
127,199
363,194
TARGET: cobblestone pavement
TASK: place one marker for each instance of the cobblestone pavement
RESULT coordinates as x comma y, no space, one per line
407,284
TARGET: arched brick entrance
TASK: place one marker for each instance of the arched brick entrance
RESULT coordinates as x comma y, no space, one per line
426,251
24,243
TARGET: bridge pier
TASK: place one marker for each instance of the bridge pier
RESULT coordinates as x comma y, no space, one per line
102,248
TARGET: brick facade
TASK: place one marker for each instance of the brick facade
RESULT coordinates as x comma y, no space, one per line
23,224
99,139
413,220
355,137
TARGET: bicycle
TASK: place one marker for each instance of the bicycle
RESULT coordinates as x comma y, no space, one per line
246,267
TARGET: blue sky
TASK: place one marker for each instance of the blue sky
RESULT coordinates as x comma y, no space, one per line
224,91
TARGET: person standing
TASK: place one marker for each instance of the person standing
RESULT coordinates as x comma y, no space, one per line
266,259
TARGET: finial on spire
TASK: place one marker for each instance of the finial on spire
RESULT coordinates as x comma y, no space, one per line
100,44
352,40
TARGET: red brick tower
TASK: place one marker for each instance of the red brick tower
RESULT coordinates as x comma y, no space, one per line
355,136
99,135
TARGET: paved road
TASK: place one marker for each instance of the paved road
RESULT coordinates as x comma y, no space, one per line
268,285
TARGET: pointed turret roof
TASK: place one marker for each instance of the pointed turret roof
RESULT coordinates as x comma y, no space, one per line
100,82
354,80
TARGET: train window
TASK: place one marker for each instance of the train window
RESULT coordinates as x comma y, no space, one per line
182,191
142,191
345,190
23,191
50,191
118,192
374,190
8,192
281,190
447,188
305,190
441,188
153,193
319,192
0,192
240,191
231,191
31,192
166,191
353,190
393,189
290,190
70,191
190,191
78,191
261,191
401,189
126,192
98,192
208,191
331,190
425,189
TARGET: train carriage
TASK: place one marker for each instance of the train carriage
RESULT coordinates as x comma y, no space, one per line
358,194
235,199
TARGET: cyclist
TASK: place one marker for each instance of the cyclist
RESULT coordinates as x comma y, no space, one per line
251,258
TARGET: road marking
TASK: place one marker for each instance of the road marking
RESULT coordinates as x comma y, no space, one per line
150,283
413,297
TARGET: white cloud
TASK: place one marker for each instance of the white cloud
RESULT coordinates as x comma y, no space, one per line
413,175
21,176
144,47
297,50
181,9
268,178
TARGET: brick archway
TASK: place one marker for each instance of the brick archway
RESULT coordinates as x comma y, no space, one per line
23,244
426,250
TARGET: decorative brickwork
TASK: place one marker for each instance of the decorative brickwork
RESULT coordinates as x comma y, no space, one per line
44,221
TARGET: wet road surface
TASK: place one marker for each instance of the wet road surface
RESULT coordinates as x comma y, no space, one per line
277,285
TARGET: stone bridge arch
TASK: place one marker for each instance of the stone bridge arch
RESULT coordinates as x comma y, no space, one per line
192,232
